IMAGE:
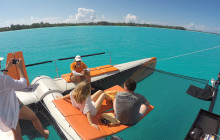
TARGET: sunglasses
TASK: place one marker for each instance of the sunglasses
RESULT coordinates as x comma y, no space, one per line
78,61
105,121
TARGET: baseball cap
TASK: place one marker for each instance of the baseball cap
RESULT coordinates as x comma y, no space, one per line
1,58
78,58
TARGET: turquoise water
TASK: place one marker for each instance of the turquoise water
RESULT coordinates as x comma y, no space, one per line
174,110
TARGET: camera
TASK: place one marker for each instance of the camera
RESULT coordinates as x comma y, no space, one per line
14,61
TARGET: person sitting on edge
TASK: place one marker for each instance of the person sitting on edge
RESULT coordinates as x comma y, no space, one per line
11,108
79,71
128,106
88,105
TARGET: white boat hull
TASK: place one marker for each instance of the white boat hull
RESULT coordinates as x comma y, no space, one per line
45,89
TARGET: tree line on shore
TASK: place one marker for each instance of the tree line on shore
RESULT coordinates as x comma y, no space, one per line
103,23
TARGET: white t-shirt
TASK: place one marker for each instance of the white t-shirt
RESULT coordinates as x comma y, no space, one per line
9,105
86,106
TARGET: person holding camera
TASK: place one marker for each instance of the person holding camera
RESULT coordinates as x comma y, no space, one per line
12,109
79,71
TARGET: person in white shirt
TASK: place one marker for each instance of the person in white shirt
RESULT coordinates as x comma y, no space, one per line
11,108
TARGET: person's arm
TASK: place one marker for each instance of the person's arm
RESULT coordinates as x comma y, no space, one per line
19,64
72,68
16,84
89,116
76,73
85,69
64,97
114,105
7,67
67,96
147,103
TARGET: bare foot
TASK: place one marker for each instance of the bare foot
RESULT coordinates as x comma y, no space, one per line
47,132
59,97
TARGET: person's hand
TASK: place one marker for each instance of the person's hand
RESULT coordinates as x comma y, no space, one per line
83,72
9,64
95,126
59,97
20,64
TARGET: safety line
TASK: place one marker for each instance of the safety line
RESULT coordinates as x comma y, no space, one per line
189,53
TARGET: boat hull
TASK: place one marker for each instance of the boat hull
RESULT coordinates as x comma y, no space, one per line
45,89
137,73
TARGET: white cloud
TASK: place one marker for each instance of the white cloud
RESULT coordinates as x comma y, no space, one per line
31,20
130,18
83,15
70,19
154,22
192,26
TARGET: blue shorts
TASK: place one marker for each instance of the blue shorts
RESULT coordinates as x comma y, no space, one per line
140,115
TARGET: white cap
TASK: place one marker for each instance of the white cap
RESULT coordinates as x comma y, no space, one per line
1,58
78,58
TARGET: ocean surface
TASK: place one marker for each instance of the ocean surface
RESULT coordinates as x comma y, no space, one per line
188,53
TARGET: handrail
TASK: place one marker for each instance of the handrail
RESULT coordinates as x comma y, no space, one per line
62,59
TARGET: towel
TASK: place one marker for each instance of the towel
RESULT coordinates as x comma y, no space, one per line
112,93
111,117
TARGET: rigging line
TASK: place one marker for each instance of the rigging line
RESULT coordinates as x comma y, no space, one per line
181,76
189,53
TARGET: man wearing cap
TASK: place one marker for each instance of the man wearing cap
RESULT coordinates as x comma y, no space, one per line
79,71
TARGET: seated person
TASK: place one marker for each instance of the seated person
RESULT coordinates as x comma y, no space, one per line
128,106
79,71
88,105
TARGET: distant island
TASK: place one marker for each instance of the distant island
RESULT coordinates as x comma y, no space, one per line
103,23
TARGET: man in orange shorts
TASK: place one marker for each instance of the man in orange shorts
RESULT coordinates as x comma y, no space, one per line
79,71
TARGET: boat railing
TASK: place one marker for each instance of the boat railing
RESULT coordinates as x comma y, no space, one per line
59,69
60,59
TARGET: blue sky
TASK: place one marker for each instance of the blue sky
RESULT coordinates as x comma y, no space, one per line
203,15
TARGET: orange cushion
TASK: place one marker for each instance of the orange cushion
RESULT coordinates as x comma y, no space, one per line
82,127
80,124
13,70
109,68
106,105
118,128
66,108
66,77
102,69
94,71
79,121
116,87
69,110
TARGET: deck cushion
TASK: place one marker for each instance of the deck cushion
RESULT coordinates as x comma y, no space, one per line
79,122
94,71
